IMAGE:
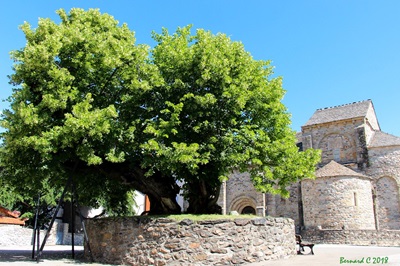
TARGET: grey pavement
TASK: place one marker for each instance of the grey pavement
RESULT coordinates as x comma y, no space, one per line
332,255
326,255
52,255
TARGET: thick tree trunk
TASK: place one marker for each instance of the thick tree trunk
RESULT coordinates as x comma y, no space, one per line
203,198
161,190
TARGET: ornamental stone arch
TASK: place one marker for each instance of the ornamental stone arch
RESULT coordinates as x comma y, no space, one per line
243,205
388,203
338,147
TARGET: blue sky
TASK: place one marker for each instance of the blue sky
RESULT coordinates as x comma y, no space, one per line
329,52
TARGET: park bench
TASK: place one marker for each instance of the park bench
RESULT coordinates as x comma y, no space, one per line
303,244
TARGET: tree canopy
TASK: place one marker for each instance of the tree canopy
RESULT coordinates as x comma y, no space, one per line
89,102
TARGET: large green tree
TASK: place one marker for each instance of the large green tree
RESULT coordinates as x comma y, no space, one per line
116,116
221,111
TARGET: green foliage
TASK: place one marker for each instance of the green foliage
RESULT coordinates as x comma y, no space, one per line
201,217
69,81
220,110
19,197
195,107
8,195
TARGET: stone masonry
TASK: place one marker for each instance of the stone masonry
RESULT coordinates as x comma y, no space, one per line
347,204
354,237
16,235
357,185
161,241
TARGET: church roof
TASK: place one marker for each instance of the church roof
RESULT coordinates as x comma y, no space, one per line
341,112
382,139
335,169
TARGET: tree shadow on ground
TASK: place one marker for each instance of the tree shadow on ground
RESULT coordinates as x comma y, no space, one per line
14,256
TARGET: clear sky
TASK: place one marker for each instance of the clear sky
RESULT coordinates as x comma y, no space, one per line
329,52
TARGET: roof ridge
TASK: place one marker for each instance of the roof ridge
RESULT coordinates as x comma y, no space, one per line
333,169
346,104
383,139
342,112
383,132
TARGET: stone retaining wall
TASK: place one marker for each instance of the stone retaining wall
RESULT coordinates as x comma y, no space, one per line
353,237
16,235
145,241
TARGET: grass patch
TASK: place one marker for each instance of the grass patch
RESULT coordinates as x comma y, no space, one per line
203,217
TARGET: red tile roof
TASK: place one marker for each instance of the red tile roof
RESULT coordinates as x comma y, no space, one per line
10,217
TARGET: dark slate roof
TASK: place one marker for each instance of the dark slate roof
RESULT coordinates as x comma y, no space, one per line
341,112
335,169
381,139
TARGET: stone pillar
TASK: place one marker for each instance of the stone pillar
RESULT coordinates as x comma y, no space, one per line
224,198
260,209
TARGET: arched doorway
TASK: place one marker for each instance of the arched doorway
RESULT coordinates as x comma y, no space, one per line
243,205
248,210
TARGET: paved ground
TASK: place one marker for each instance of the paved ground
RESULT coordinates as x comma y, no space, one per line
326,255
52,255
332,255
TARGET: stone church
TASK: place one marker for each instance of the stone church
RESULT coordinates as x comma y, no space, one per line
357,181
